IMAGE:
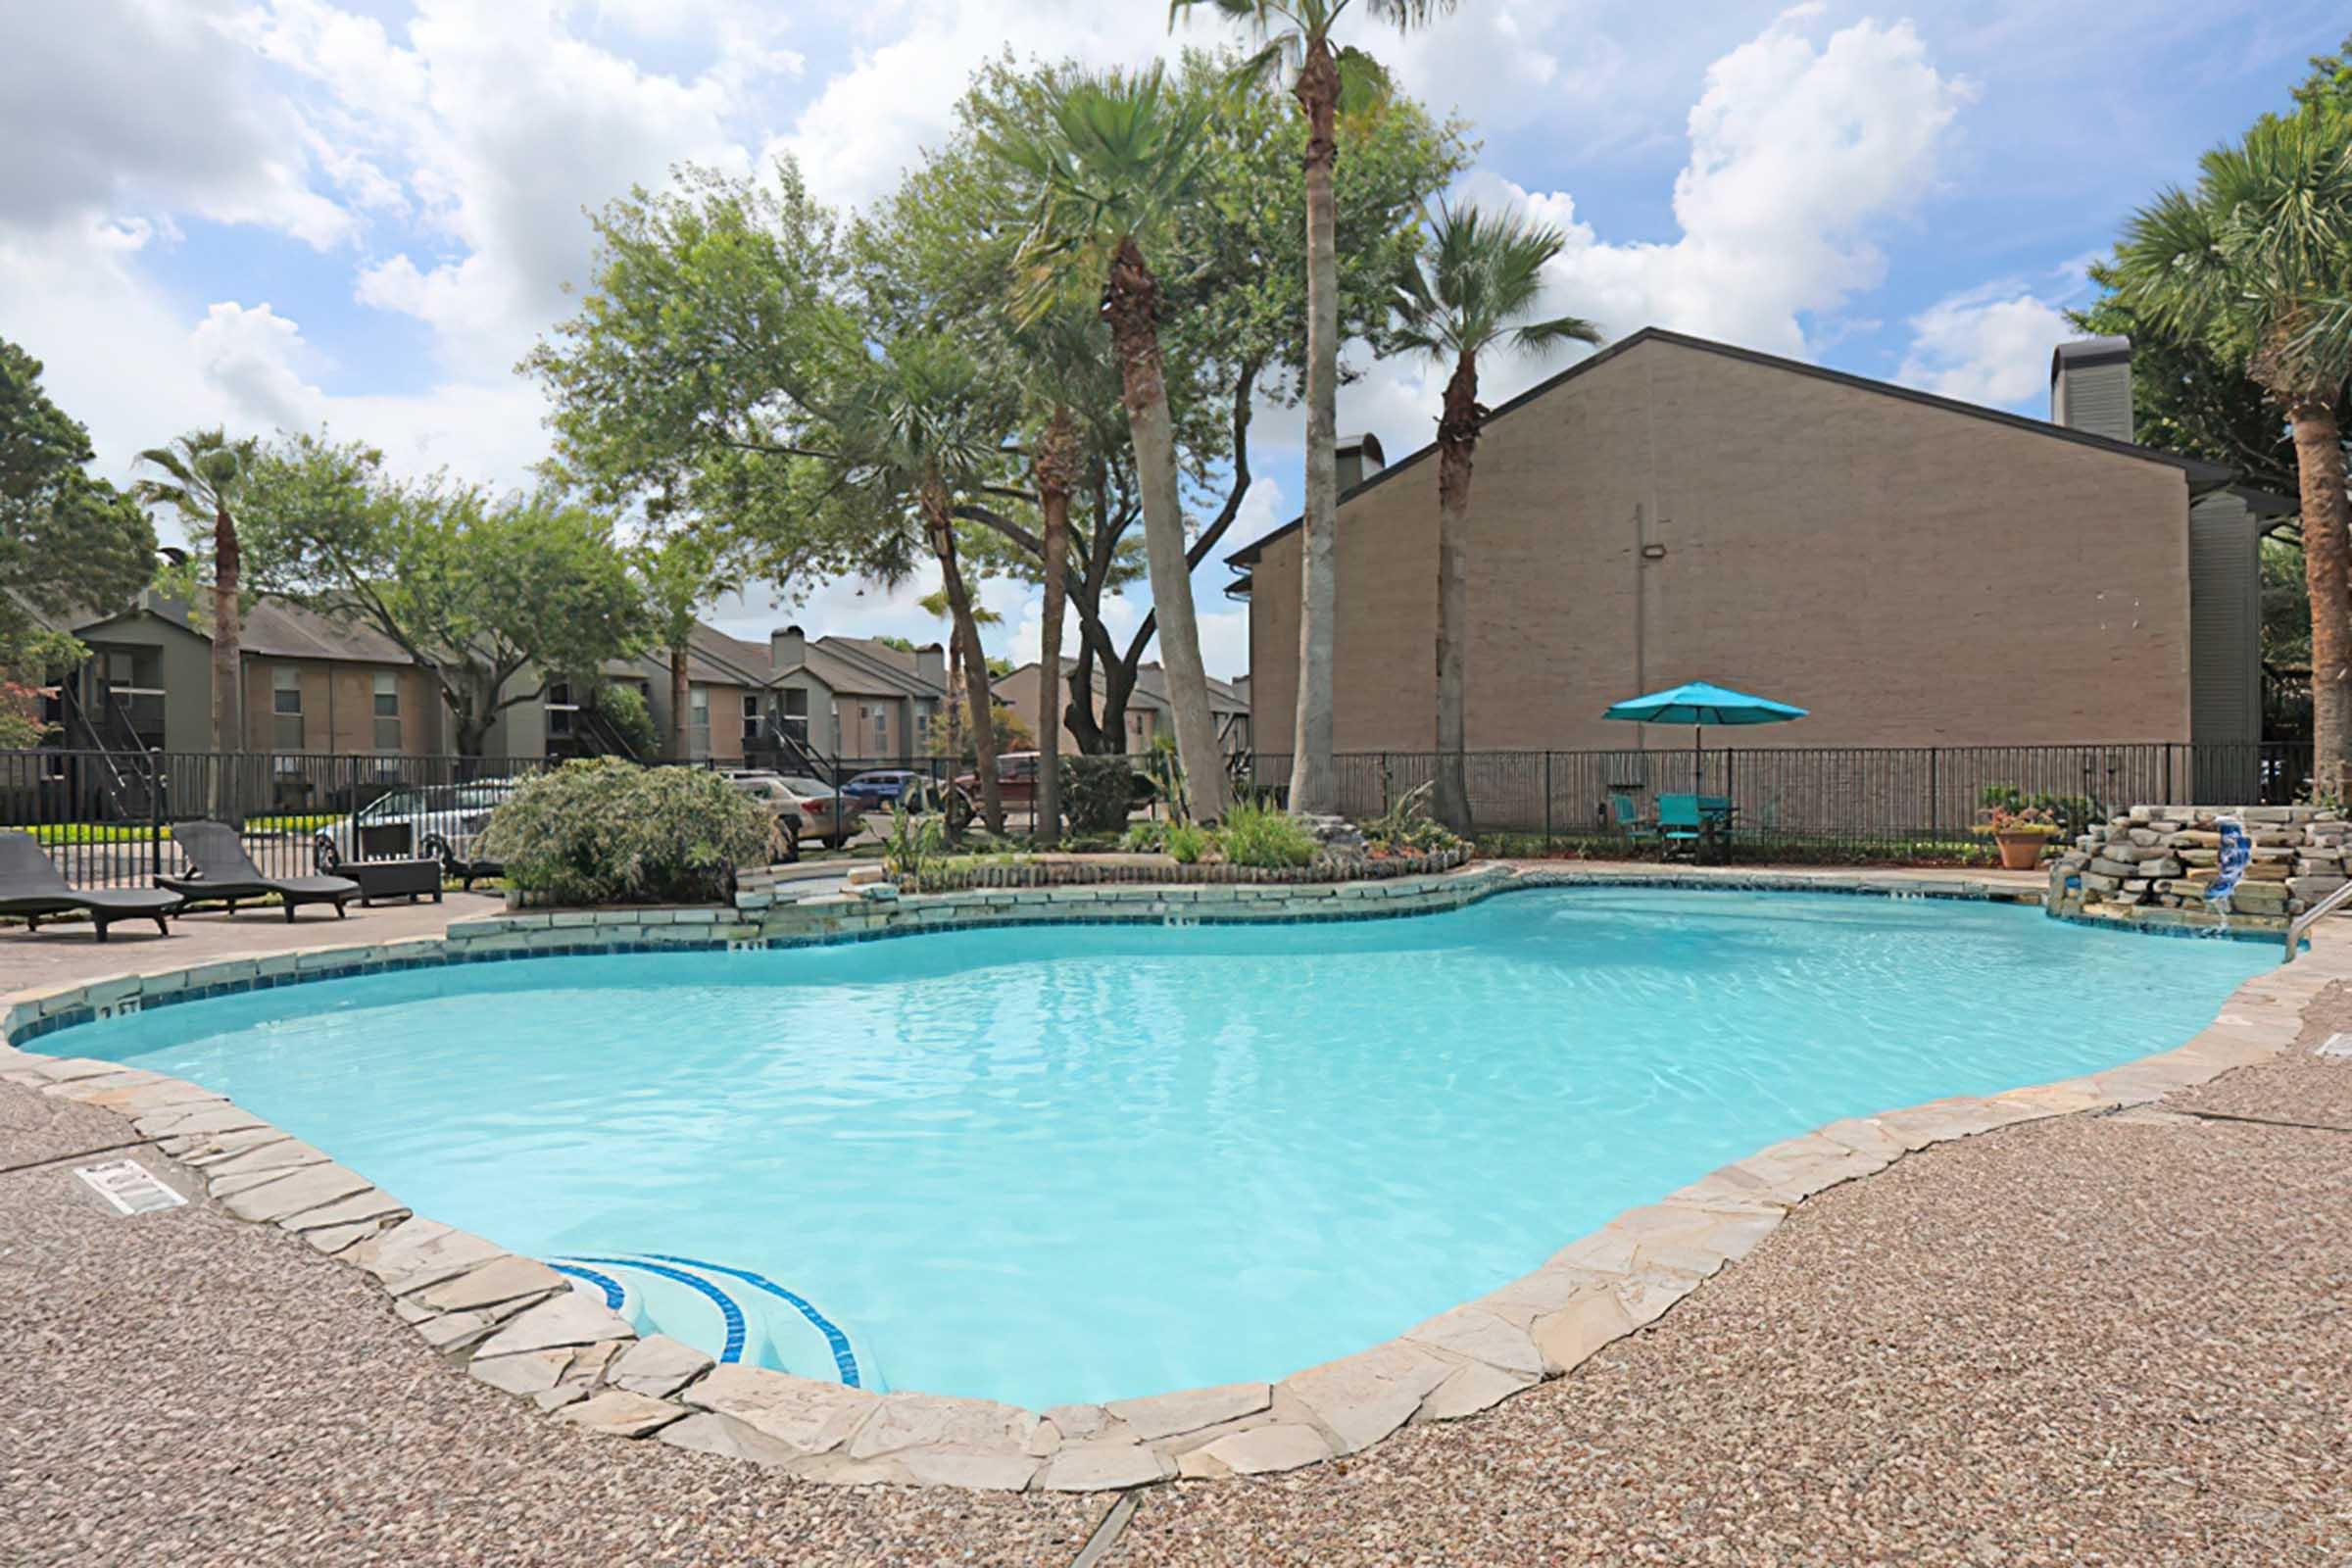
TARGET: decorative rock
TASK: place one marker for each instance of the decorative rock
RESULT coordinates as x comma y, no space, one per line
1078,1422
296,1192
802,1415
1361,1398
1480,1336
1262,1452
1106,1467
568,1319
926,1421
619,1413
710,1432
659,1367
1164,1416
1468,1389
531,1372
502,1279
372,1205
982,1470
1569,1337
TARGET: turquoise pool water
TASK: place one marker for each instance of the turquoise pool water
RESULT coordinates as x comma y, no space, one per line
1086,1162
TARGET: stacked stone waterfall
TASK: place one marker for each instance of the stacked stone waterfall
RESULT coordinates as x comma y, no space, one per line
2153,865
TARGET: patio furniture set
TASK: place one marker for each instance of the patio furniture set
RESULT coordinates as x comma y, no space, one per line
218,871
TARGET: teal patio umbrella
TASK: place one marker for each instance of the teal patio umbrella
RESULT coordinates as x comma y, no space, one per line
1701,704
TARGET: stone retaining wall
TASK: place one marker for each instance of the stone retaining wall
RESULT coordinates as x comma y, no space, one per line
2151,866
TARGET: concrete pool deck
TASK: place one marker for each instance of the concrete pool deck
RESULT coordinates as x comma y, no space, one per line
1459,1499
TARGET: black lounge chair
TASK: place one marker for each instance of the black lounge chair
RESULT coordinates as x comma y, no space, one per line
30,886
222,870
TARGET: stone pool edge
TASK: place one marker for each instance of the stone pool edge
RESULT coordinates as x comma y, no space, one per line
517,1325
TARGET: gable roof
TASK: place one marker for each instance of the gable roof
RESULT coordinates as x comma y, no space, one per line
2202,475
877,666
1150,687
277,628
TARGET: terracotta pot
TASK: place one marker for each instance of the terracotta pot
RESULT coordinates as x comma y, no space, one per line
2021,852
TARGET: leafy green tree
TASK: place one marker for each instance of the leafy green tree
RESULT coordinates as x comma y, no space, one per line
678,574
496,595
2251,265
1296,37
69,543
202,477
1475,292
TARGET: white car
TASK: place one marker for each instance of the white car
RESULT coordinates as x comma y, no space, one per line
435,822
807,809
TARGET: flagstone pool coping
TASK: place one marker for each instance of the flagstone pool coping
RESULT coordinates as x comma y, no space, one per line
522,1327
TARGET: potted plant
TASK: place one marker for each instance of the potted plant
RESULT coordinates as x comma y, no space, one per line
2022,833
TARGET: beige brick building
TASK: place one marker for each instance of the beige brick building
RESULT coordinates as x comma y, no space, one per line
1915,570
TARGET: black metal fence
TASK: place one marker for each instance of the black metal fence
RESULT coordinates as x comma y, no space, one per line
1899,801
103,816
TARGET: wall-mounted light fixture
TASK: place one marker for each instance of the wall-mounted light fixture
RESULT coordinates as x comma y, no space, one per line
1654,552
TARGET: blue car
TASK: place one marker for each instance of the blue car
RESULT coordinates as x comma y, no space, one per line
869,792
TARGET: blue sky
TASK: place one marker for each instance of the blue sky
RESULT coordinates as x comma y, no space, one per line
362,211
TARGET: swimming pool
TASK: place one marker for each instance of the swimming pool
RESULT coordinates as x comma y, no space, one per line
1075,1164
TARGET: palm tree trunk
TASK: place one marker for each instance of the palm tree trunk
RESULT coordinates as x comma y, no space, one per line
1131,304
939,523
1314,785
2328,576
1057,472
682,704
1457,437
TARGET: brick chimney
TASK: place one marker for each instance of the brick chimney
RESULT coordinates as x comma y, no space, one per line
2090,386
787,647
1359,459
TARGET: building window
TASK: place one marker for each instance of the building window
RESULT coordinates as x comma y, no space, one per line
881,730
698,720
285,708
796,714
387,711
751,718
922,729
561,711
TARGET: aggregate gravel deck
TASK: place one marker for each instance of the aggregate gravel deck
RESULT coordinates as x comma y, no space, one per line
2120,1340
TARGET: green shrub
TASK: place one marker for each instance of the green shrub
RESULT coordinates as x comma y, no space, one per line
1407,828
1097,793
1189,841
1145,838
604,831
1254,835
623,708
914,845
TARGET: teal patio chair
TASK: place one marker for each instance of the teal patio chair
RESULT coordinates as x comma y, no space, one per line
1631,824
1680,822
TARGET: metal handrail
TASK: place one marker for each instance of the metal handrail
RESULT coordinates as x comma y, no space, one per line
2304,921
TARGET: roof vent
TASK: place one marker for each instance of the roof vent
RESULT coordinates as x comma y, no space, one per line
2090,387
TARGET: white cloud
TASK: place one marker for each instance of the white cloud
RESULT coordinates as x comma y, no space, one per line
500,124
147,106
1988,345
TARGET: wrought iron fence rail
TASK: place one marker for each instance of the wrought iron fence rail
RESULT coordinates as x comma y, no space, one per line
100,812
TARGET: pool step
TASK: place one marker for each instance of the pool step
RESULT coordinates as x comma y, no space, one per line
733,1313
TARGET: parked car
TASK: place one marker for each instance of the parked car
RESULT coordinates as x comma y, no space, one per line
880,789
434,822
1016,780
806,806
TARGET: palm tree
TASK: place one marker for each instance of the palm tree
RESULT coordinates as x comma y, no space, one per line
1071,383
204,475
1483,279
937,603
2253,265
1296,35
1121,154
923,426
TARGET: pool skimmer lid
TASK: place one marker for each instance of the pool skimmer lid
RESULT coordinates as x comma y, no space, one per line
130,1187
